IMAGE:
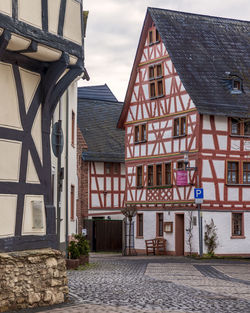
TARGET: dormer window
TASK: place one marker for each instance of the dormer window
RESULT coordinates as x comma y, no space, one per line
236,85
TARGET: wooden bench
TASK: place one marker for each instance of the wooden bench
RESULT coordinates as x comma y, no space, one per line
156,246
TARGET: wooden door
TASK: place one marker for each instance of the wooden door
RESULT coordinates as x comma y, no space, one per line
179,234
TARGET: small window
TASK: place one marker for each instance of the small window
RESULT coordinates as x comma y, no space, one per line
180,126
236,84
246,173
237,224
151,39
139,176
157,36
150,175
143,132
140,133
158,70
152,90
247,128
159,224
232,172
72,204
168,179
159,175
116,168
139,222
108,167
137,133
151,72
159,88
235,126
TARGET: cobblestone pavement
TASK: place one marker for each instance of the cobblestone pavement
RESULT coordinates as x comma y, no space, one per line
158,284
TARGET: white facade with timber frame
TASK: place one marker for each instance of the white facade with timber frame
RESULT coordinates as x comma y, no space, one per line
175,105
41,54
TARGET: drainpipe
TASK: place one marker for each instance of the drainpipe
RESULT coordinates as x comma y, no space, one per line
66,173
59,185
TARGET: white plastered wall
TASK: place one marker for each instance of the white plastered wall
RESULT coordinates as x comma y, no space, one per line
149,229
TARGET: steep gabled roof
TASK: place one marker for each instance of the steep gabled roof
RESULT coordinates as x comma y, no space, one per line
97,120
204,50
101,92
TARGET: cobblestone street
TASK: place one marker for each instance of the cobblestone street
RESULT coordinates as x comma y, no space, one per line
158,284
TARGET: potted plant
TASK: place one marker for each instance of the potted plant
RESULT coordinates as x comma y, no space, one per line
74,254
83,248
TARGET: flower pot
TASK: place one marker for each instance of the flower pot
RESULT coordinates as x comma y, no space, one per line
72,263
84,259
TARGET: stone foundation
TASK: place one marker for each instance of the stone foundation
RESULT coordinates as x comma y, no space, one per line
32,278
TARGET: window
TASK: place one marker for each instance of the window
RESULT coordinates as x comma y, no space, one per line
168,177
72,204
108,167
157,36
180,126
73,129
159,88
237,224
159,175
232,172
235,127
139,224
140,133
156,88
151,72
246,173
137,134
158,70
240,127
139,176
116,168
150,175
159,224
152,90
153,36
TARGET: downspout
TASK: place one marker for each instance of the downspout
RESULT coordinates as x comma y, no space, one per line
58,205
66,173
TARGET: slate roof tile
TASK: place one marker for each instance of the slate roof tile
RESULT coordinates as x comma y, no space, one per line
97,121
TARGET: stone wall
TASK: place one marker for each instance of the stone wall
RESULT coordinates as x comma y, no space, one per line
32,278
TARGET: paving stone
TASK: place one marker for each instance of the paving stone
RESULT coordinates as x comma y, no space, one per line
155,284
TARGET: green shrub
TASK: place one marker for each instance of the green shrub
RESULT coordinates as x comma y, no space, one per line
73,250
211,238
82,244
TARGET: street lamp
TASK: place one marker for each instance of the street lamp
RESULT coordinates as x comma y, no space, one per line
129,212
189,168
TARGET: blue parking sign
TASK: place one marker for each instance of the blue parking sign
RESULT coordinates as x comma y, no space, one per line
198,193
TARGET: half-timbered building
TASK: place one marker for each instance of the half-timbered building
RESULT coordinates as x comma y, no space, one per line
101,168
188,98
41,54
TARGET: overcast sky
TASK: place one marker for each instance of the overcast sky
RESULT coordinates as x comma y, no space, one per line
114,28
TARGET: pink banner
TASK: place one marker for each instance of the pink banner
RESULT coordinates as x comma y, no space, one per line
181,178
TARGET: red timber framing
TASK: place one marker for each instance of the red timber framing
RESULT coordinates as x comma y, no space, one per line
173,127
225,164
162,143
106,186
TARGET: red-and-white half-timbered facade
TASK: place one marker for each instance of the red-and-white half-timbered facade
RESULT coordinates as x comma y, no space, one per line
177,106
101,168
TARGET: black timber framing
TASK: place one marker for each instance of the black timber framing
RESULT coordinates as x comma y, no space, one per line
41,36
52,85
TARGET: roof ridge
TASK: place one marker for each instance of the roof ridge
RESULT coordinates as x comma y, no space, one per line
200,15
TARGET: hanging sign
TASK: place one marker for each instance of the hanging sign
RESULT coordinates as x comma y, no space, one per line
181,178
